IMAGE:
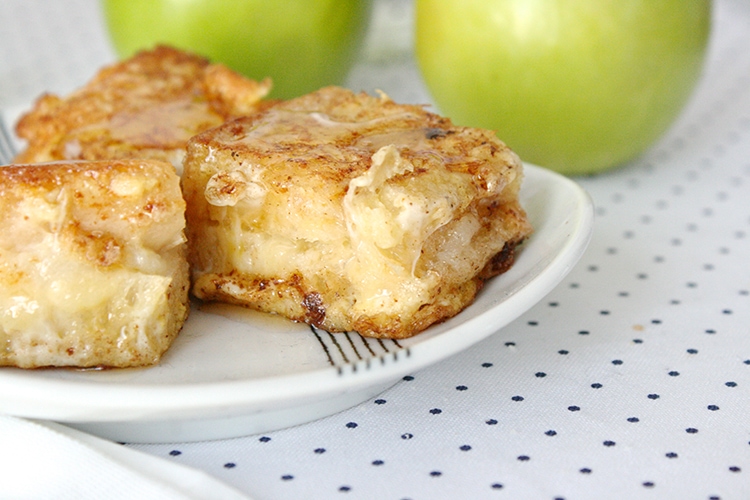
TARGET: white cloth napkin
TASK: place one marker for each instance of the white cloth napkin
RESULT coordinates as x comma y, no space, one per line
44,460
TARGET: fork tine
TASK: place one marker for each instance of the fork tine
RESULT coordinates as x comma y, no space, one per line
7,147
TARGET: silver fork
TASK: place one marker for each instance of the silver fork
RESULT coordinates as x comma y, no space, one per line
7,146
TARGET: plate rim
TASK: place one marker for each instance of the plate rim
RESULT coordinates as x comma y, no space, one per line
144,401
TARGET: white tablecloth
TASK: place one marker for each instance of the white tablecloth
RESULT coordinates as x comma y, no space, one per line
630,380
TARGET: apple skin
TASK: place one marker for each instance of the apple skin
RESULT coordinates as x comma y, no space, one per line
577,86
301,44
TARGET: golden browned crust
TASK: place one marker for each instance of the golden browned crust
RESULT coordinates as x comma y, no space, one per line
93,268
147,106
350,212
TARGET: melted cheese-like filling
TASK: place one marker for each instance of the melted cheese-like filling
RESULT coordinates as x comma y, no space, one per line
388,223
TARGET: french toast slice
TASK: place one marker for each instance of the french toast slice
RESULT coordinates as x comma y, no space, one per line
93,263
146,106
350,212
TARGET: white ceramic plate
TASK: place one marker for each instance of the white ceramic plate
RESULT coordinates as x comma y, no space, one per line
233,372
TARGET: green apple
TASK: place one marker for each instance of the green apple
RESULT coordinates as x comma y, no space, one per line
577,86
301,44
